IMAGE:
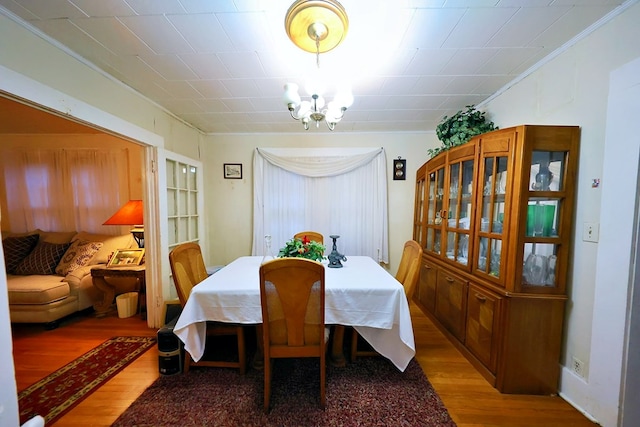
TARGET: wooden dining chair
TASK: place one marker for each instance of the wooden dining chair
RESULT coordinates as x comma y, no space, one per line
292,298
188,269
310,235
408,274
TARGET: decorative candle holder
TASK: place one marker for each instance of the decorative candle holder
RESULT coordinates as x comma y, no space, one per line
335,257
268,255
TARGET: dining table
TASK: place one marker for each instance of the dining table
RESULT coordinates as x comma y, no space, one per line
362,294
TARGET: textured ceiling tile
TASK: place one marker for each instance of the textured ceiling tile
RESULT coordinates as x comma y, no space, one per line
157,33
220,65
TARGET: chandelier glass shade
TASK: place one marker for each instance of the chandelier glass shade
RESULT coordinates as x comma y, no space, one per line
316,26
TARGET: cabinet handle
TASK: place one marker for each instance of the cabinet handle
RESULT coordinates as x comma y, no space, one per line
480,298
449,279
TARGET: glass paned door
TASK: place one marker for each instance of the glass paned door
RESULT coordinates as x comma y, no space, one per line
459,212
544,208
492,216
435,210
418,215
181,209
183,213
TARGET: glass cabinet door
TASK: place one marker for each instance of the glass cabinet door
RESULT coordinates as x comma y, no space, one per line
544,208
418,215
492,215
459,211
435,210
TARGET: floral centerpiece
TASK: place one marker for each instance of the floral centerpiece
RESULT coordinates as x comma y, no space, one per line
302,248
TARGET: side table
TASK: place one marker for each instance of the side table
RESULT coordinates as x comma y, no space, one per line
118,280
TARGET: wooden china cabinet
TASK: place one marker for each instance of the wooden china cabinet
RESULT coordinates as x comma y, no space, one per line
494,219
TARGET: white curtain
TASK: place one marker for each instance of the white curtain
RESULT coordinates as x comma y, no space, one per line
334,191
64,190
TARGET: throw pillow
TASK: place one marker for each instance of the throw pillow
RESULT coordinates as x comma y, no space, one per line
78,255
16,249
43,259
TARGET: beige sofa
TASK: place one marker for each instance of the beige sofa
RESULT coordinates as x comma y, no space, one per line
54,280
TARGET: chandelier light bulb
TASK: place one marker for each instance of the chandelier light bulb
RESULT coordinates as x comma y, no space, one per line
291,96
344,98
334,113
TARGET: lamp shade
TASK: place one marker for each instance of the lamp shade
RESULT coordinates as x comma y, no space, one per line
129,214
291,95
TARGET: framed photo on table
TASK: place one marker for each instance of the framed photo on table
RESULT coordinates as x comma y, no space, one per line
233,171
126,257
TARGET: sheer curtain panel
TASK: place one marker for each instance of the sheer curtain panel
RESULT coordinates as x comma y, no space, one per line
340,191
64,190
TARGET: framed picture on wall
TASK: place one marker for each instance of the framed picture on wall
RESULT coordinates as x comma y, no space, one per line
233,171
126,257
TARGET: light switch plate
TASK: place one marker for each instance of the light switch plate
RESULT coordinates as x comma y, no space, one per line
590,232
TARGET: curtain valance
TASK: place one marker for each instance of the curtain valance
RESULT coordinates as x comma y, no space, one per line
319,162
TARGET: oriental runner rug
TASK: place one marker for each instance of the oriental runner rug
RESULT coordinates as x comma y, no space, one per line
368,392
57,393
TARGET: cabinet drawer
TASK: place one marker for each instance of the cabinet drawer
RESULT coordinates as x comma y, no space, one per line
483,314
427,285
451,302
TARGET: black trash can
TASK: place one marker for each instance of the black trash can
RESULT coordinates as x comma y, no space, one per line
170,350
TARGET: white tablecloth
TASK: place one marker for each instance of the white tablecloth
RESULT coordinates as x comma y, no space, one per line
362,294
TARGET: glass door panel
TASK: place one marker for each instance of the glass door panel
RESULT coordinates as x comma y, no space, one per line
431,212
490,256
540,264
437,247
544,210
459,208
439,201
435,210
466,198
492,219
454,185
458,247
183,201
542,217
547,170
418,220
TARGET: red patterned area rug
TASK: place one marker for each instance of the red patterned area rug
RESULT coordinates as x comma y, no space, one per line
368,392
57,393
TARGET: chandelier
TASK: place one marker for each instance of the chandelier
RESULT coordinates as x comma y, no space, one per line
316,26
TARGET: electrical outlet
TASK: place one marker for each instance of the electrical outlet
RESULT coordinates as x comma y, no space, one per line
590,233
577,366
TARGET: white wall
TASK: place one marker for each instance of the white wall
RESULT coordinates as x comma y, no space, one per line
616,249
230,211
573,89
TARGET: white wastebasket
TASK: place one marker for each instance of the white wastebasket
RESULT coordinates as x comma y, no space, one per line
127,304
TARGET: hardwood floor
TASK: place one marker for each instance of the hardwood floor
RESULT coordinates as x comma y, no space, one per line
471,401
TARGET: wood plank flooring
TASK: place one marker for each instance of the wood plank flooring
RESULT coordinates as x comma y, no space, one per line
471,401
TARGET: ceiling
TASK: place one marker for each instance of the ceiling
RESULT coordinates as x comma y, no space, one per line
221,65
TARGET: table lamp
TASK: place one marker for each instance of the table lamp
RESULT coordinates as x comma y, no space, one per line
130,214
